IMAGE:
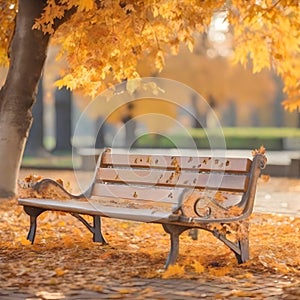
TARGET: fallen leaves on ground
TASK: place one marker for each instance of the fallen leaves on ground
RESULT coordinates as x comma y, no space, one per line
65,258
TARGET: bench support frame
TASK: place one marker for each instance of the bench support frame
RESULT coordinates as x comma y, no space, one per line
95,229
174,231
33,212
241,247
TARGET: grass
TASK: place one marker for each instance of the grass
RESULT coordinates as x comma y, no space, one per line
236,138
257,132
57,162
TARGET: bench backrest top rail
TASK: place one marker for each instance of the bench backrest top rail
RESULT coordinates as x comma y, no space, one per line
238,165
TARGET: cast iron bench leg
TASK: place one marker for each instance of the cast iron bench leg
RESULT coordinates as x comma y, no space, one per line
193,233
174,231
33,212
243,243
241,247
95,229
97,235
244,248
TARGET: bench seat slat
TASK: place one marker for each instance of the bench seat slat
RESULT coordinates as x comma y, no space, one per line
171,178
94,207
238,165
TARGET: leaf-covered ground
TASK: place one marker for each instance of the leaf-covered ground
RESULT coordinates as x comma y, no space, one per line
64,258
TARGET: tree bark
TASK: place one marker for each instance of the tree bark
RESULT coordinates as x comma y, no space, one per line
27,57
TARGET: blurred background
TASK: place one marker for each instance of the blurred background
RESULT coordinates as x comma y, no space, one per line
247,105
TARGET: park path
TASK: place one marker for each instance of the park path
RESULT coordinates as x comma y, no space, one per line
259,287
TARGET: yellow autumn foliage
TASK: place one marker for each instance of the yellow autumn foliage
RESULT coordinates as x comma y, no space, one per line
198,267
104,41
266,35
174,271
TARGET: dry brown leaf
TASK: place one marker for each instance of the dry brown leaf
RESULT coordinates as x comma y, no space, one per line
260,150
265,177
60,260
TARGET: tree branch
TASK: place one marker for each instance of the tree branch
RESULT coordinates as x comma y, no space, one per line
68,14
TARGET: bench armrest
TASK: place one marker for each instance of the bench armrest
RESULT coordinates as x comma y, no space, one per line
196,206
258,164
49,188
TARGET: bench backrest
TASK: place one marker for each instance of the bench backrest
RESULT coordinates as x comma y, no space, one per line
162,178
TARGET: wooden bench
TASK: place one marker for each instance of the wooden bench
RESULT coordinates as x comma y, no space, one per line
179,192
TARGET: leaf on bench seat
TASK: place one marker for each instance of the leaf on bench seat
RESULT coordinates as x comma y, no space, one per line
233,231
220,197
25,186
235,211
29,181
34,186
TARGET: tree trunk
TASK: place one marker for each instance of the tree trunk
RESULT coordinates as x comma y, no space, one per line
27,57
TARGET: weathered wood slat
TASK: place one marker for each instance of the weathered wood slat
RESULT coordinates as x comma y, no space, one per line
176,162
171,178
155,194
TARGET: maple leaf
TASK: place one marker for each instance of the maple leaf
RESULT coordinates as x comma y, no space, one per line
59,271
199,268
85,5
174,271
260,150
